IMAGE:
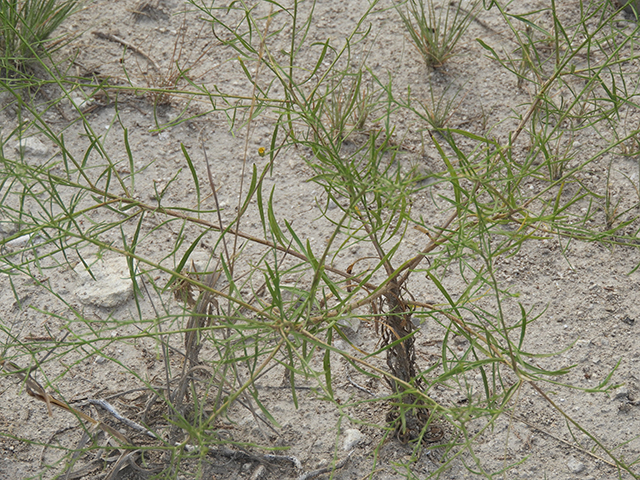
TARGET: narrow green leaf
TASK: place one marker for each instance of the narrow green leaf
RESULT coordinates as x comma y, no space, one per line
194,174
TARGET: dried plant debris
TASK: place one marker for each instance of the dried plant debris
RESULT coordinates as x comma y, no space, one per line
149,10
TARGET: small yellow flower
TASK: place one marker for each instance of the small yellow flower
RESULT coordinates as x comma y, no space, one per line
261,151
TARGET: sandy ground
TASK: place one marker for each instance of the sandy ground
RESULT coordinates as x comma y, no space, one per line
589,291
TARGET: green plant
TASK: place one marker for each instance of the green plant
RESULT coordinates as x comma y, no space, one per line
630,6
436,29
26,27
440,107
234,297
555,145
346,104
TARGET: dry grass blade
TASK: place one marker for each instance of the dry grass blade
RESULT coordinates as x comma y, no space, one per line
130,423
323,470
561,440
35,390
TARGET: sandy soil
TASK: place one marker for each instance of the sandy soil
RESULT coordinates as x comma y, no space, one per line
589,291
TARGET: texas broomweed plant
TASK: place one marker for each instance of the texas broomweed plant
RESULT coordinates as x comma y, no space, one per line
241,291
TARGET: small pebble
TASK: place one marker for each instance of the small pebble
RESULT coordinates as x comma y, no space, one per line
350,322
80,102
352,437
621,393
575,466
32,146
19,242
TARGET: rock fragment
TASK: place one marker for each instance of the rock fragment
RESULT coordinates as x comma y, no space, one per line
31,146
621,393
575,466
352,437
110,285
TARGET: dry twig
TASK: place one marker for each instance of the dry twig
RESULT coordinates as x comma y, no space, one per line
130,46
323,470
34,389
